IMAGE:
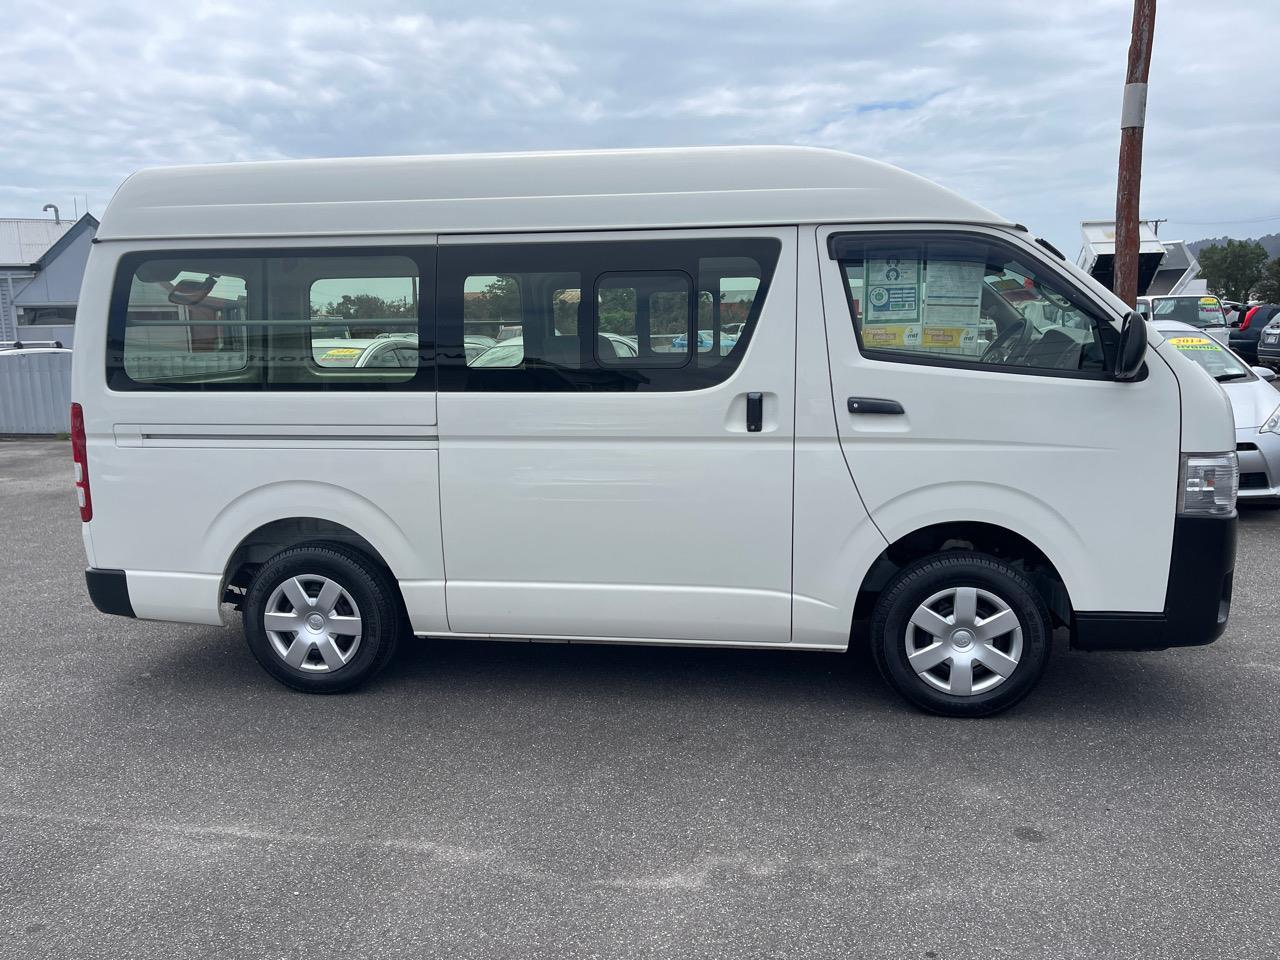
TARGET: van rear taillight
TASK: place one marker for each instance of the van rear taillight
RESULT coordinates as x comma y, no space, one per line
80,454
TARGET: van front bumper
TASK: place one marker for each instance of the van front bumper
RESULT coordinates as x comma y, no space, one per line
109,591
1197,599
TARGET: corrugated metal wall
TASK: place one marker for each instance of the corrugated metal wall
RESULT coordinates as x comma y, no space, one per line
35,391
8,315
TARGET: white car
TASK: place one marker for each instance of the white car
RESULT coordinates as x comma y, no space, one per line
1255,406
510,353
389,351
1205,313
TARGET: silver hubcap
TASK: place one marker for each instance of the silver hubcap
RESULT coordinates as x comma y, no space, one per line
964,641
313,623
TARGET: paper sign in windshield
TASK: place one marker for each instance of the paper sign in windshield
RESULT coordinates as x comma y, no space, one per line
1210,310
892,301
953,305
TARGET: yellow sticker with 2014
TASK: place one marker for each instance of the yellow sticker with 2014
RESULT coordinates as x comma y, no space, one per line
1193,343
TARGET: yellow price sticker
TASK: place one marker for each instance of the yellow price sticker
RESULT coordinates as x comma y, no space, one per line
1193,343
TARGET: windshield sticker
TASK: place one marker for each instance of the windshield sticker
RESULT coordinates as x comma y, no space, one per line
337,353
1193,343
891,334
1210,309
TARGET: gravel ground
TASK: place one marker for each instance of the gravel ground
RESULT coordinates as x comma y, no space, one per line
161,796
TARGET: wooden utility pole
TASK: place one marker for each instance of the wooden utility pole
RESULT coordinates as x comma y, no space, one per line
1133,115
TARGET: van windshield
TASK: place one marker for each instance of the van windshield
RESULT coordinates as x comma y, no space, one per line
1198,311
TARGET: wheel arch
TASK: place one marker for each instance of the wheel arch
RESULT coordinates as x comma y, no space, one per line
983,537
263,521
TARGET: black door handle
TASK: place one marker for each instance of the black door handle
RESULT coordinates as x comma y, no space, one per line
755,412
873,405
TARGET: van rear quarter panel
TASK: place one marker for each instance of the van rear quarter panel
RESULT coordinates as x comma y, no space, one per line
178,479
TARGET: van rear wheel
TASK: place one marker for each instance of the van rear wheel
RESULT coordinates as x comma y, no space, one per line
321,618
961,634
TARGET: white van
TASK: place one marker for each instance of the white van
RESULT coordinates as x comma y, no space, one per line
849,397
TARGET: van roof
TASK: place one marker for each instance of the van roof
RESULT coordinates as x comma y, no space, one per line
505,192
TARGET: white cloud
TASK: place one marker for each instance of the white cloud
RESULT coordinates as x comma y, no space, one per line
1013,103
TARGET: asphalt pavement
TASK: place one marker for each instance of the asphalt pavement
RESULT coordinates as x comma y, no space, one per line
161,796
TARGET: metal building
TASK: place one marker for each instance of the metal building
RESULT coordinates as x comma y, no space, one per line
41,265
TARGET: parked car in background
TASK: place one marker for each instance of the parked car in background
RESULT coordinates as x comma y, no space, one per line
1246,331
388,351
510,353
1269,343
30,344
1255,407
1204,313
475,344
705,341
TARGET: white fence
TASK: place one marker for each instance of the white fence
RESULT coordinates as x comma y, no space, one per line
35,391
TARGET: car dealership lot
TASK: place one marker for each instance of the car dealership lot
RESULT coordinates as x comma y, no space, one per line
160,795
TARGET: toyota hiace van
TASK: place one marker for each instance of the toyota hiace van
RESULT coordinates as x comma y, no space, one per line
744,397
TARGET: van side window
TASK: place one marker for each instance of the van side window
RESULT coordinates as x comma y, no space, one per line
643,319
281,320
657,315
524,318
347,311
967,301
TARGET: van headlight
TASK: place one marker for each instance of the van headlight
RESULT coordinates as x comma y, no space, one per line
1272,424
1208,484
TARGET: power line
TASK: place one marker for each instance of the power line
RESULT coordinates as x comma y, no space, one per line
1213,223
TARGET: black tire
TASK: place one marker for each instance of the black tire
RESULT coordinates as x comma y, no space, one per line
926,578
368,586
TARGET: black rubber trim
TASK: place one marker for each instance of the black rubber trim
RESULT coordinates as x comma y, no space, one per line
109,591
1197,602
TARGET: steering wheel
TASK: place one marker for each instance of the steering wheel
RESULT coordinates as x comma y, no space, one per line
1003,347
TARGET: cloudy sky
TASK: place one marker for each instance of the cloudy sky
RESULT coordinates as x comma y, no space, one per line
1014,103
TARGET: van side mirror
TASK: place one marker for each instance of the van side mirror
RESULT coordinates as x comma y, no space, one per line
1133,347
1266,373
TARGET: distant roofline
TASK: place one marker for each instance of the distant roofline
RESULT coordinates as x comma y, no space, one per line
86,221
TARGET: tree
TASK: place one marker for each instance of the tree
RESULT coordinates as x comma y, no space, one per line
1232,270
1268,288
368,306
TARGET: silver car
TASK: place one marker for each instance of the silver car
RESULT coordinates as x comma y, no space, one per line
1255,404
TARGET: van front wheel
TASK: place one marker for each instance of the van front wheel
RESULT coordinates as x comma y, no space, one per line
961,634
321,618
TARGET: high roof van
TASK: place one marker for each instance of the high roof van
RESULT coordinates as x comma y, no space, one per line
744,397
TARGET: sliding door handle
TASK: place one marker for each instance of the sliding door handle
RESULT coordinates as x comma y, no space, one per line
755,412
874,405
